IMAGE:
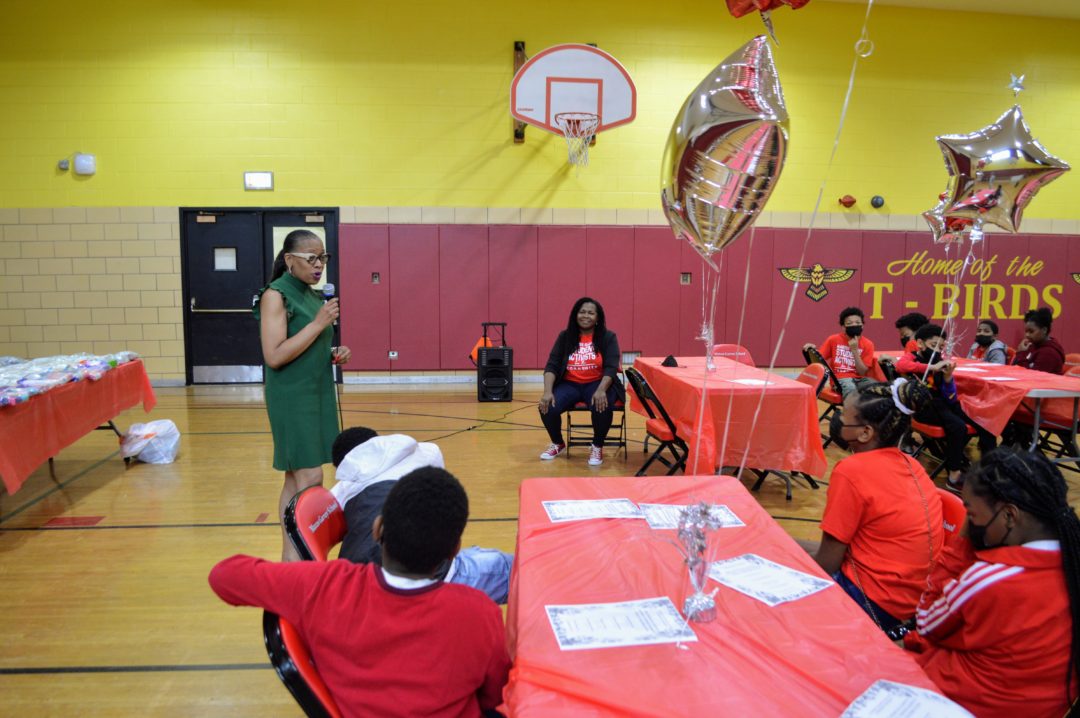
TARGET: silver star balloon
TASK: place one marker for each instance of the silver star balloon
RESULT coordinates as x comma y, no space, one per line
725,150
1016,84
995,172
945,231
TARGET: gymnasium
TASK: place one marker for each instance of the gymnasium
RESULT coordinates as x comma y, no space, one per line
719,183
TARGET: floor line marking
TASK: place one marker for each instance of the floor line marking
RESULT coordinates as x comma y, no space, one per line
56,488
51,670
214,525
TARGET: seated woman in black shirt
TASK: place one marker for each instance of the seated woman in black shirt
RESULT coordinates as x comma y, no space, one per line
583,367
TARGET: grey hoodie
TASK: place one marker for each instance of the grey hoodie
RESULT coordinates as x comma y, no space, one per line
996,353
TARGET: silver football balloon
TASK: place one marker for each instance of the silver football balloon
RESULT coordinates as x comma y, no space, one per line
725,150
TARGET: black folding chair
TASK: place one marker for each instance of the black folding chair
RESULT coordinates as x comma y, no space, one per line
661,427
832,393
888,369
580,433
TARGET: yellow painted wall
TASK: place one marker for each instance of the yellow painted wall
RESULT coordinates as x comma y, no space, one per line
405,104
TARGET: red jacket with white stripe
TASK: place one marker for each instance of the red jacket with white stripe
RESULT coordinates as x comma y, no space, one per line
994,629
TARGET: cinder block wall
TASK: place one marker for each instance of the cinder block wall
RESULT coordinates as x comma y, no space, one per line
97,279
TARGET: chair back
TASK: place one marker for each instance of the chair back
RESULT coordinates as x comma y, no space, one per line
888,369
1072,371
1010,354
813,356
813,375
953,512
639,386
733,351
1072,361
315,523
292,661
648,398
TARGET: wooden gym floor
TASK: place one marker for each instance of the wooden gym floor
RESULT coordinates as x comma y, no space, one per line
106,610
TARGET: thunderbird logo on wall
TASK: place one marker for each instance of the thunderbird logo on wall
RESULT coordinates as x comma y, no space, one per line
817,276
1076,277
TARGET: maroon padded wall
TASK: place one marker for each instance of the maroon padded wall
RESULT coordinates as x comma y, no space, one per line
437,283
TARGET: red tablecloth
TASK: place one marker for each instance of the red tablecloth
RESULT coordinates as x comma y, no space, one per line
809,657
786,435
991,402
33,431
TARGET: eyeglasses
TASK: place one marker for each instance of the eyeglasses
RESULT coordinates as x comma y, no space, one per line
312,258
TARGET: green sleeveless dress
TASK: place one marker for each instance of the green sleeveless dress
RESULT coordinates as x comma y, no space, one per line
300,398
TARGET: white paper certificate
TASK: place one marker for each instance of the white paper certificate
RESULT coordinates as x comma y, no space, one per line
753,382
970,368
1000,378
559,511
666,516
609,625
886,699
765,580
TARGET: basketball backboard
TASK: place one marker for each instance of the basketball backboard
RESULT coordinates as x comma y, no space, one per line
573,78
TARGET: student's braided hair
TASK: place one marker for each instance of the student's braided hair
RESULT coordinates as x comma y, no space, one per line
1035,486
877,406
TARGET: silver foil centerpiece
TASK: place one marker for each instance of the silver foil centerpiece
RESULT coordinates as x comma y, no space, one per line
695,523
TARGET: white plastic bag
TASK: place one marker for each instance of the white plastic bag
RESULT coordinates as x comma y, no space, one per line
155,442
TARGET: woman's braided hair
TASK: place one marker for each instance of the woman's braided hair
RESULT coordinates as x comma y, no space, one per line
877,408
1035,486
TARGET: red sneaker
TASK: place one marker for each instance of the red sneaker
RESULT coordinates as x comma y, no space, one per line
552,451
596,455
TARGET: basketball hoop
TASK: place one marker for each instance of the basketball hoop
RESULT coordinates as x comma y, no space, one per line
578,128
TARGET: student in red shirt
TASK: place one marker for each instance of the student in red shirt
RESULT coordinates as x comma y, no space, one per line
997,630
907,326
881,532
849,354
390,640
583,367
1039,350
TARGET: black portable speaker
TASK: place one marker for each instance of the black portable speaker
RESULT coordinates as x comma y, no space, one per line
495,374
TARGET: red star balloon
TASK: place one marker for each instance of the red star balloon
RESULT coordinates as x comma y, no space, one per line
995,172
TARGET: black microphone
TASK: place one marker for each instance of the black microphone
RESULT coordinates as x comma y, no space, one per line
328,292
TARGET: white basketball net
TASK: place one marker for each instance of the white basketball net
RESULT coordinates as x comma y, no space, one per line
578,128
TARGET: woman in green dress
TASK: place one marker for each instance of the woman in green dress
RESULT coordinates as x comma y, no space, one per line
296,331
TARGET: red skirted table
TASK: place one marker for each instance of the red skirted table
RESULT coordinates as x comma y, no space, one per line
992,394
37,429
808,657
785,436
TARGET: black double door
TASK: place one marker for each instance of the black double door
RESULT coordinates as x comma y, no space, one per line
227,255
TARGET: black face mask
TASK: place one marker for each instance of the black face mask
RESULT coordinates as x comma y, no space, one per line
853,331
977,534
984,340
836,427
927,356
904,342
